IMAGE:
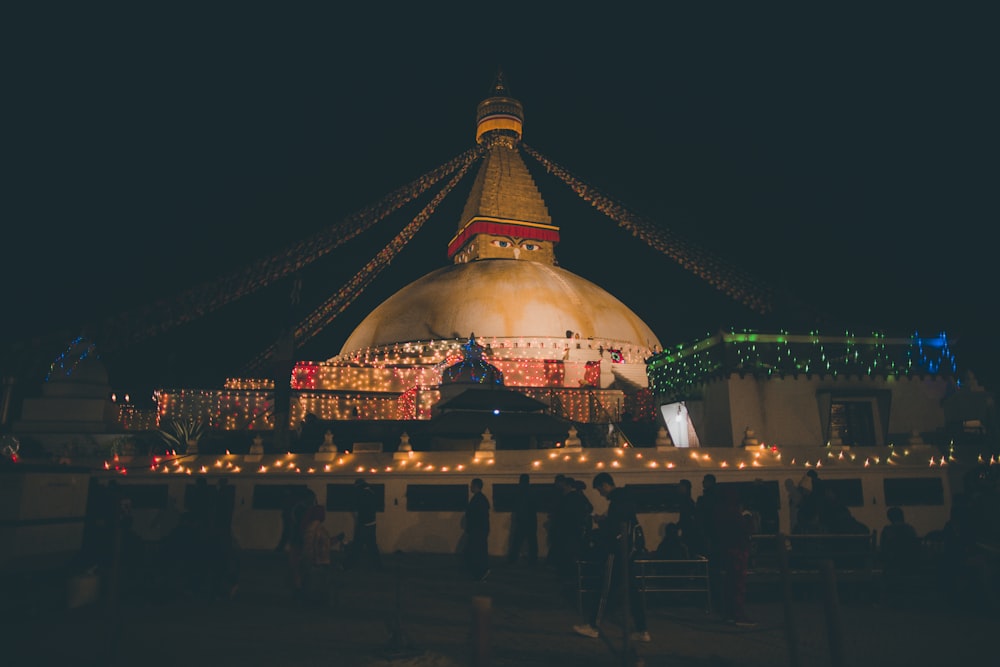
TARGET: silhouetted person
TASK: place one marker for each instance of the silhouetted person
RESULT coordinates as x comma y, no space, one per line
899,548
316,547
561,522
582,519
671,547
311,434
812,498
687,519
477,531
835,517
614,529
291,541
524,522
732,536
365,545
967,574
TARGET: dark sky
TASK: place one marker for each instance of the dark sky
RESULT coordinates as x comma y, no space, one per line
845,155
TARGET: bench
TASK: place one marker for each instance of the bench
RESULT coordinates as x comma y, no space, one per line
654,576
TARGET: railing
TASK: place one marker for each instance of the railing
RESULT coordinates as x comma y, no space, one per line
653,575
674,576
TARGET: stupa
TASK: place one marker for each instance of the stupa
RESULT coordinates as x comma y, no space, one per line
549,333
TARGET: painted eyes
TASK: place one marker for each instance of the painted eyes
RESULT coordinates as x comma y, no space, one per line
501,243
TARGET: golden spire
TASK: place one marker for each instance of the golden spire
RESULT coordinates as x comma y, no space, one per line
505,216
499,118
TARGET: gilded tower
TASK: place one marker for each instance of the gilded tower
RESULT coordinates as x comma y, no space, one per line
505,216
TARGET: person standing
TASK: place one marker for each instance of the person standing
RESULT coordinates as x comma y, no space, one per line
705,513
613,529
524,522
566,528
365,547
899,549
733,528
687,519
293,545
316,545
477,531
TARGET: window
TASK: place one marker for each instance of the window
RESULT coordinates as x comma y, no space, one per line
855,419
274,496
436,497
341,497
545,496
146,496
913,491
847,491
655,497
851,423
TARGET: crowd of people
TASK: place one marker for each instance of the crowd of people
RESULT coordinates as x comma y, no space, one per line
196,555
313,553
199,555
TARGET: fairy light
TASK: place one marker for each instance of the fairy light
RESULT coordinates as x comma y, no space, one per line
674,374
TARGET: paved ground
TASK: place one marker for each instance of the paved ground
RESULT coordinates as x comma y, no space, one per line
530,625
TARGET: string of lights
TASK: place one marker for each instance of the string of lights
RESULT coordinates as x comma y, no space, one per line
322,316
735,284
676,373
160,316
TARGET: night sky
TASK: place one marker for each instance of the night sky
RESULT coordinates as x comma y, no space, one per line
846,157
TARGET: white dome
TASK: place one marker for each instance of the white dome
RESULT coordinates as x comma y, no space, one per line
503,299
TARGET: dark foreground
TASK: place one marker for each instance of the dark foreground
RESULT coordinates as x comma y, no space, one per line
418,612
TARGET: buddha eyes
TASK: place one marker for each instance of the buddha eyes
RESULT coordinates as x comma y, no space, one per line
501,243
